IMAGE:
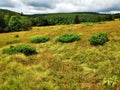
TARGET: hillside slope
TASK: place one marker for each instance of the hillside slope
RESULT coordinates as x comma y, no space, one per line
63,66
8,12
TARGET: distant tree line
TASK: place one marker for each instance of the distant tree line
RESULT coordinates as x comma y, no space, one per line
117,15
11,21
58,19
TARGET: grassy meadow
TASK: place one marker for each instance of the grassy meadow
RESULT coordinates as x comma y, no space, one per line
63,66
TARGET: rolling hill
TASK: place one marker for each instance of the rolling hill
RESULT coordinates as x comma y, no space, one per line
62,66
8,12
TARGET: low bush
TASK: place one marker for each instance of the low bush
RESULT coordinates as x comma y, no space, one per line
40,39
16,36
25,49
67,38
99,39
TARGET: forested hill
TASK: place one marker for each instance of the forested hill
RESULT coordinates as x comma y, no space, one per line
12,21
8,12
72,13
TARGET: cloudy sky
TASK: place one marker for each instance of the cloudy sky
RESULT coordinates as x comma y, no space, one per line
53,6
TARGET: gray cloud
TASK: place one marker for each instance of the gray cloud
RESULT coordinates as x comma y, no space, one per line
6,3
52,6
41,4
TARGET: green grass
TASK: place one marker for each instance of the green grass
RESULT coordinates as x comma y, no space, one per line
63,66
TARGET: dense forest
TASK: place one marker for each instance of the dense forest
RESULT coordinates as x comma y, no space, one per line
11,21
69,18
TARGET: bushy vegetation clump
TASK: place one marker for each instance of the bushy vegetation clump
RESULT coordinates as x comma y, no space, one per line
11,23
99,39
16,36
17,23
25,49
39,39
14,23
67,38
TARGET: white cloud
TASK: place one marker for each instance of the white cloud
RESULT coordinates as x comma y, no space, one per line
52,6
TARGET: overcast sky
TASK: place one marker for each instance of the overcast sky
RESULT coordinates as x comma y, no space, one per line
55,6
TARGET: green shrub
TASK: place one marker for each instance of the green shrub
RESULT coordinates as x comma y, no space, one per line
16,36
99,39
25,49
66,38
39,39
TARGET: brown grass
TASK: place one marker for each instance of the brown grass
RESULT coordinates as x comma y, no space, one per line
58,66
